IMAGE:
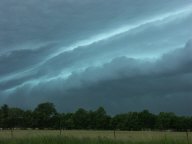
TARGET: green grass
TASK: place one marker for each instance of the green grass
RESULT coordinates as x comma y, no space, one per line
73,140
92,137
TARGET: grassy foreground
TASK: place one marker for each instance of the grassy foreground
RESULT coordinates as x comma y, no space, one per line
72,140
93,137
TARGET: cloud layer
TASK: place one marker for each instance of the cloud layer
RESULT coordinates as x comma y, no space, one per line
126,55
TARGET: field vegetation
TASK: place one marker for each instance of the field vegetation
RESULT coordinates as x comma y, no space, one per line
93,137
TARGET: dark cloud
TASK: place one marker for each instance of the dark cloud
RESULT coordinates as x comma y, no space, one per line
31,22
121,85
16,61
123,55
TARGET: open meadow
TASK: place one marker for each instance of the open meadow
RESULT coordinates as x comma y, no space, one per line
93,137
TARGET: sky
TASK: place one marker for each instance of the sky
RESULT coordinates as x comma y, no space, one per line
123,55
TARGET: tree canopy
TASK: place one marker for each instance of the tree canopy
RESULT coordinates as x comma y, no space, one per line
45,116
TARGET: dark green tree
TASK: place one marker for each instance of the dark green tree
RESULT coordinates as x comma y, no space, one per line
4,116
81,119
118,122
102,120
132,121
28,119
69,121
147,120
15,117
43,115
165,120
1,118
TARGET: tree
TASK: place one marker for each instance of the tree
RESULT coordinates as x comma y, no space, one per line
102,120
46,116
118,122
1,118
43,115
147,120
69,121
81,119
132,121
5,116
15,117
165,120
28,119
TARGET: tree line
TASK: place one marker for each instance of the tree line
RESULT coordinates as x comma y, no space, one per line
45,116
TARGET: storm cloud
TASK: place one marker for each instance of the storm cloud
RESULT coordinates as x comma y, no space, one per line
123,55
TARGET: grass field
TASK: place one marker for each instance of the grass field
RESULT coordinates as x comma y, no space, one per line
93,137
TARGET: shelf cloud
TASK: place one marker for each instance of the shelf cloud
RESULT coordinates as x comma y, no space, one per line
122,55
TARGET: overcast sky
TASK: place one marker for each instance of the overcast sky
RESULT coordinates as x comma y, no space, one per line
124,55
